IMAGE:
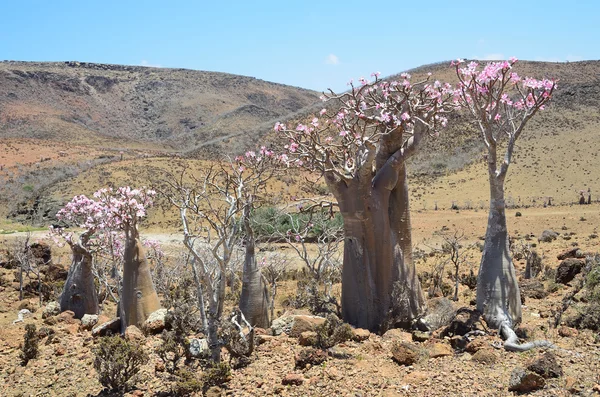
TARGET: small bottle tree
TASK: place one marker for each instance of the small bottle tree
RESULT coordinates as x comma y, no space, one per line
501,103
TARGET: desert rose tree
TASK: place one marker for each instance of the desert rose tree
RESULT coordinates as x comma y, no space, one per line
501,103
125,207
361,148
79,293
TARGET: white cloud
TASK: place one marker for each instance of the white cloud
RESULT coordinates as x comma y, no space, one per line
492,57
152,65
332,59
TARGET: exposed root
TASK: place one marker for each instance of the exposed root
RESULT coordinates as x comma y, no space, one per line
511,341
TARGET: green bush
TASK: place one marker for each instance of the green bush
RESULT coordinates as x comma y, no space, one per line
171,350
268,222
30,350
117,361
332,332
187,383
217,375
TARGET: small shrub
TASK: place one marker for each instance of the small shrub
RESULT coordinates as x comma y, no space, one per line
470,280
553,287
310,356
217,375
332,332
30,349
187,383
117,361
171,350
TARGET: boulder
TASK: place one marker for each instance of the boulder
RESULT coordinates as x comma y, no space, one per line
439,350
397,334
155,322
293,379
110,327
571,253
548,236
308,338
310,356
546,366
68,317
485,356
199,347
405,353
305,323
568,269
133,334
420,336
88,321
523,381
567,332
440,311
361,334
51,309
464,321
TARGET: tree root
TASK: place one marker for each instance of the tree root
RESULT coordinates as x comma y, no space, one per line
511,341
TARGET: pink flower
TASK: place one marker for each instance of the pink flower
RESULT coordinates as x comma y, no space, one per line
323,111
405,116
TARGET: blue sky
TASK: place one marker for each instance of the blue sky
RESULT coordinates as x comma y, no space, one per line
311,44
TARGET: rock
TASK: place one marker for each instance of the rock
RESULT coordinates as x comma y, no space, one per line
439,350
405,353
546,366
440,311
110,327
464,321
22,315
155,322
308,338
59,350
522,381
458,342
571,253
293,379
396,334
282,324
67,317
548,236
571,384
88,321
215,391
477,344
199,347
260,339
305,323
28,305
485,356
533,288
525,331
51,309
339,353
310,356
133,334
420,336
567,332
361,334
568,269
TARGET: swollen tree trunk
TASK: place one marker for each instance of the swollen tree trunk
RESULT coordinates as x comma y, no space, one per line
138,296
380,288
498,296
254,300
79,293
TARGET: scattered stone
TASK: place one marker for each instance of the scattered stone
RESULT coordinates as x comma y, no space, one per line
260,339
568,269
525,332
396,334
458,342
308,338
477,344
110,327
339,353
88,321
571,253
546,366
293,379
440,311
464,321
361,334
405,353
310,356
548,236
567,332
420,336
215,391
67,317
155,322
485,356
133,334
522,381
571,385
199,347
439,350
59,350
29,305
533,288
305,323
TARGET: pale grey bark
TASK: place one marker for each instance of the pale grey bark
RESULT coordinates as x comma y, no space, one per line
79,292
138,295
254,299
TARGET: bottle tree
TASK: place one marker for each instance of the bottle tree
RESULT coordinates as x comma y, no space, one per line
501,103
360,145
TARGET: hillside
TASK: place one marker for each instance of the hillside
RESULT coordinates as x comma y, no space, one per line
93,103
